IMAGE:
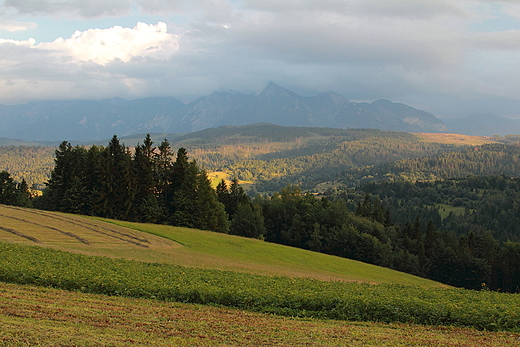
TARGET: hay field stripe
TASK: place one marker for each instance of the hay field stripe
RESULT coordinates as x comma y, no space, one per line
74,222
98,231
18,233
68,233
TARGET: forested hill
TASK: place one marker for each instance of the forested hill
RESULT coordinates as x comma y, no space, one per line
149,185
270,156
474,219
490,159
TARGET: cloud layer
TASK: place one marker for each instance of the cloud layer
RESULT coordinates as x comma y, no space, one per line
451,57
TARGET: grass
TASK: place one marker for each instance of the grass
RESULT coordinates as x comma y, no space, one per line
455,139
302,297
216,176
189,247
36,316
444,210
43,316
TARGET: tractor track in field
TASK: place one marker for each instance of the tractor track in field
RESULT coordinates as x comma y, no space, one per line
18,233
68,233
133,239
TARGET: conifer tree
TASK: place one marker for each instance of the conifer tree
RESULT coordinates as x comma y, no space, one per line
211,213
163,166
24,196
182,189
68,169
92,182
116,181
248,221
146,206
8,192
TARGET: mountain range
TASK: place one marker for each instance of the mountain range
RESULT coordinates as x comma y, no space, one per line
86,120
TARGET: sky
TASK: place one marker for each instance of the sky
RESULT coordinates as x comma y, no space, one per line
451,58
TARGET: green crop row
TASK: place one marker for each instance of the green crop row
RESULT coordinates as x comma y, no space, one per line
280,295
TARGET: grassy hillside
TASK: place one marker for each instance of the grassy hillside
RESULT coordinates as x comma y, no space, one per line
186,247
204,277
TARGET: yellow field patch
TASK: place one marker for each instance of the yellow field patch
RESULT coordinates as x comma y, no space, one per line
454,139
69,232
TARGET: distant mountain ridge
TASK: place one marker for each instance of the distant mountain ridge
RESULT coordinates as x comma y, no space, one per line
84,120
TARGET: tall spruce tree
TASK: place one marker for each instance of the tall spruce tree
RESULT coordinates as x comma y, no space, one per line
163,166
182,189
69,172
146,206
117,186
248,221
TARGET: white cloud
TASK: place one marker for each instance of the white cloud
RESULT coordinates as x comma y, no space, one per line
89,64
104,45
28,43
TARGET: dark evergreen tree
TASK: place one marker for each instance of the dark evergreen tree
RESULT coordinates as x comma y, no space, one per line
231,197
70,169
211,213
182,206
9,195
146,207
248,221
163,166
95,195
117,183
24,196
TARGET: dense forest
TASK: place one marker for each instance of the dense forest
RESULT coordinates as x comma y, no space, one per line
30,163
461,231
477,217
489,159
269,156
361,226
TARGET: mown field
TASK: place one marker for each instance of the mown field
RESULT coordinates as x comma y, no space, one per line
32,316
145,271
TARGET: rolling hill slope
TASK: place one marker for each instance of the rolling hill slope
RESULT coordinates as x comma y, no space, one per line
186,247
393,296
